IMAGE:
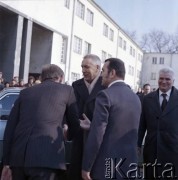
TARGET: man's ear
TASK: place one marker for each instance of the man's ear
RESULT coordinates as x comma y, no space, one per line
61,79
98,67
113,73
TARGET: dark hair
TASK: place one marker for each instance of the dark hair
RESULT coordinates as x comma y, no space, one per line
51,71
146,85
117,65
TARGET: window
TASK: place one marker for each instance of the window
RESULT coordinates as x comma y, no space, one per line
138,74
63,50
90,16
111,35
6,104
133,53
75,76
87,48
120,42
67,3
131,70
124,45
103,56
105,30
80,10
161,60
153,76
130,50
77,45
154,60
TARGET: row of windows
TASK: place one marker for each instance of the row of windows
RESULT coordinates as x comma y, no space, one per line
77,48
87,49
161,60
80,11
123,45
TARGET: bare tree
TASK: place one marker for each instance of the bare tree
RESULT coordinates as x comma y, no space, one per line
159,41
132,35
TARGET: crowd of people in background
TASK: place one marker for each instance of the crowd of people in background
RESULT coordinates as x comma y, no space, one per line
16,82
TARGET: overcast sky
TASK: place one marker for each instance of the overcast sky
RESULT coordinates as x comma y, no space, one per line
143,15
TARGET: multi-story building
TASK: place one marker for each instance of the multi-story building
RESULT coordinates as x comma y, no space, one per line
153,62
33,33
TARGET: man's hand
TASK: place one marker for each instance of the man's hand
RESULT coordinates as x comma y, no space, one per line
85,123
6,173
86,175
65,131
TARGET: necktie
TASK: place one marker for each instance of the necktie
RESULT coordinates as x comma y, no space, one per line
164,102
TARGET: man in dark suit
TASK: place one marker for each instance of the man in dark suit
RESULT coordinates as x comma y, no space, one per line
159,119
112,137
33,140
146,90
85,90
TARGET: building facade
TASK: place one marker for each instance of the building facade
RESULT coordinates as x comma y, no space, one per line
153,62
33,33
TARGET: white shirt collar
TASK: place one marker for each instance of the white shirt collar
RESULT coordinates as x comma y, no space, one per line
91,85
168,93
119,80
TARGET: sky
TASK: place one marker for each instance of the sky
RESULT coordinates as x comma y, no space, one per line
143,16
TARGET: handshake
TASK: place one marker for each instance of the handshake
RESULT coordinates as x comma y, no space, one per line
84,124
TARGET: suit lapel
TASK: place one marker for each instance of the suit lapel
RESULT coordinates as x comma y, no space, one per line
154,98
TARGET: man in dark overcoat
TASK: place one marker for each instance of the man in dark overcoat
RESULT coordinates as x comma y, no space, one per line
33,145
111,145
85,90
159,119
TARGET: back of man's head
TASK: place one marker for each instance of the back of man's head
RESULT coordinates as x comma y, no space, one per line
52,72
118,66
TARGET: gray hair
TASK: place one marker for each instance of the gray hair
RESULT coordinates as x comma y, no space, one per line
167,70
51,71
95,59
